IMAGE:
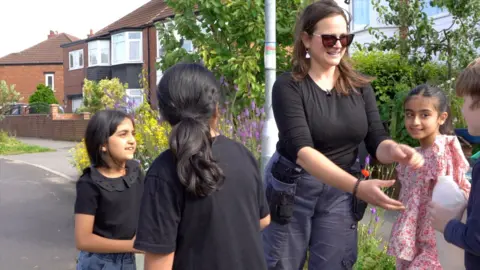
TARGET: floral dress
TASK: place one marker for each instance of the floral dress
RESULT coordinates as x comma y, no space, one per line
413,239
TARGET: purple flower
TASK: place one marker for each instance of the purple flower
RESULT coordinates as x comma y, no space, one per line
253,105
246,113
236,88
373,210
367,160
262,110
257,135
377,218
369,231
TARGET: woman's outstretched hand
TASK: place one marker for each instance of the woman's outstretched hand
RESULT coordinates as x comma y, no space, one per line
407,155
370,191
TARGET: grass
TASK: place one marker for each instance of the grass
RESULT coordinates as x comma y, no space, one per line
11,146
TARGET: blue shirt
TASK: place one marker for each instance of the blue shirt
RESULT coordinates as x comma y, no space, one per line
467,236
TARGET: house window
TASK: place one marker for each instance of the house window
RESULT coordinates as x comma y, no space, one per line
431,11
75,59
77,103
50,80
134,98
99,53
127,48
361,14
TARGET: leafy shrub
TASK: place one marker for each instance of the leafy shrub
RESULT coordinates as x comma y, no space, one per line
372,248
394,77
8,95
44,94
107,93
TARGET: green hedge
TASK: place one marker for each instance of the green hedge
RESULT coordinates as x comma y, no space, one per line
394,77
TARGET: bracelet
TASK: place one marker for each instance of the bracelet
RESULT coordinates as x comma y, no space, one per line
356,187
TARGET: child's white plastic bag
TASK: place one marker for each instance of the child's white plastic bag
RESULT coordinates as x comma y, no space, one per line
448,194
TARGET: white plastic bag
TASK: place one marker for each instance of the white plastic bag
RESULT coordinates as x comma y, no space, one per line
448,194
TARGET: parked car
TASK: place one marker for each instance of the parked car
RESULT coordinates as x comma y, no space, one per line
33,108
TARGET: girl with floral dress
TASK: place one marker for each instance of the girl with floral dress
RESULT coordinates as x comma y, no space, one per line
413,240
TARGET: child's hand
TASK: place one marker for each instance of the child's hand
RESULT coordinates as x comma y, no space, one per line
407,155
440,216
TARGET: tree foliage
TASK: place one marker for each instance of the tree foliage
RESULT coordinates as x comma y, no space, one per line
228,36
418,39
8,95
43,94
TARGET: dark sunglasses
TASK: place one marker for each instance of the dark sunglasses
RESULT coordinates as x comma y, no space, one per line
329,41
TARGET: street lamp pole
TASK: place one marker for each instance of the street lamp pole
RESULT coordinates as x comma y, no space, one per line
270,131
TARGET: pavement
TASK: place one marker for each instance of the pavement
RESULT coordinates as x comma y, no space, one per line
38,233
58,162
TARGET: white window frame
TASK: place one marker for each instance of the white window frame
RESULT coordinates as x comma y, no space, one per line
47,75
97,51
132,94
126,52
358,27
77,54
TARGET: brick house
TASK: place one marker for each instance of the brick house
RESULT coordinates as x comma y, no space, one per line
42,63
120,50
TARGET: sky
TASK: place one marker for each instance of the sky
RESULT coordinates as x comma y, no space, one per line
25,23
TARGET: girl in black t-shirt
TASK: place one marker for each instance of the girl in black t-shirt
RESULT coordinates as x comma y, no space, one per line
108,194
203,205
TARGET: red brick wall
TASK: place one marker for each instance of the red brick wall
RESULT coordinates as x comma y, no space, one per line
42,126
27,77
55,126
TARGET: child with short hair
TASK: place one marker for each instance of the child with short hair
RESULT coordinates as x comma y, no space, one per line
447,221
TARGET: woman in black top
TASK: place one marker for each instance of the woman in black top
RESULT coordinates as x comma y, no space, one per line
108,194
324,110
203,205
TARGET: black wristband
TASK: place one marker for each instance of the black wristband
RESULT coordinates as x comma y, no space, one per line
356,187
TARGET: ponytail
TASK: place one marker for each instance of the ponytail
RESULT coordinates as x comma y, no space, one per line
447,127
191,143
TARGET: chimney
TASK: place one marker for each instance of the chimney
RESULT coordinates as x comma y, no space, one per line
52,34
91,33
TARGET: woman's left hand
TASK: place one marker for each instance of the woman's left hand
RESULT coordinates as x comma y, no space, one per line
406,155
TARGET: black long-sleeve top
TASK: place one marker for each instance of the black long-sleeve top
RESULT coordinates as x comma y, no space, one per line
331,123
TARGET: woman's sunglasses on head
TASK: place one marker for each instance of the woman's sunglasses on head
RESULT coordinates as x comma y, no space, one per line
329,41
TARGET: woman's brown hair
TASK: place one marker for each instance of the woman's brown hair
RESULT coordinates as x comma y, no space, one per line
349,79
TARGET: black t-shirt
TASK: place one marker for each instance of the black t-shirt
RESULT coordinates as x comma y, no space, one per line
331,123
220,231
114,202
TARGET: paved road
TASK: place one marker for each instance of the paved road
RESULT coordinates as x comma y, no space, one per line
36,224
